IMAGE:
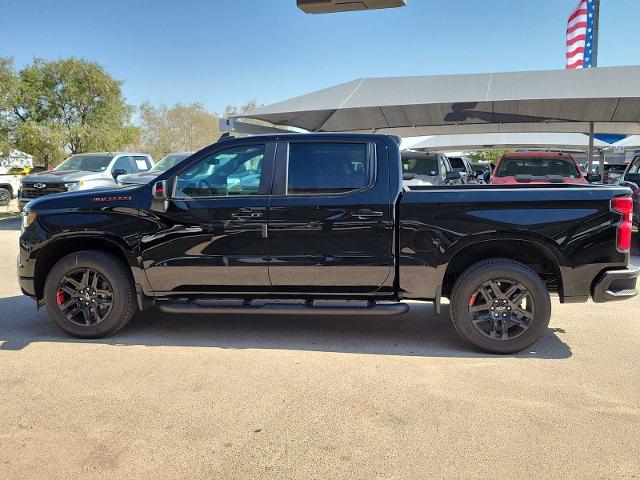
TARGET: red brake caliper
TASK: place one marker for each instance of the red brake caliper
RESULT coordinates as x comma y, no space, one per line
472,300
60,297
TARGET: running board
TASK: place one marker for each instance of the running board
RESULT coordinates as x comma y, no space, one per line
307,308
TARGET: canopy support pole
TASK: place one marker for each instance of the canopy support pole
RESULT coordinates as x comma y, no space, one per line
591,132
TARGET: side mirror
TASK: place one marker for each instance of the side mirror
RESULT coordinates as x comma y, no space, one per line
160,191
118,171
486,176
633,186
453,175
594,177
160,201
409,176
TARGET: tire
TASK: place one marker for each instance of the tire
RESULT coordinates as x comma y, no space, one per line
503,326
106,312
5,197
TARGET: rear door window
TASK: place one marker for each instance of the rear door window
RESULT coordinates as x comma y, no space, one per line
141,163
328,168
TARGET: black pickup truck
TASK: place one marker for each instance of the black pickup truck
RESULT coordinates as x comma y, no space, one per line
305,218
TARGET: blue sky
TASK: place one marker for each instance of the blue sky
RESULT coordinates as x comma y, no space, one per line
221,52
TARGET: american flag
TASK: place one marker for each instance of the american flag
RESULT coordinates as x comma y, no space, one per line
580,30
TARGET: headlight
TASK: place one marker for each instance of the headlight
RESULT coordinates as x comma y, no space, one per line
28,217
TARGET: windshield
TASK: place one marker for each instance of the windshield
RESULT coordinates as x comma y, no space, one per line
538,167
169,161
88,163
420,165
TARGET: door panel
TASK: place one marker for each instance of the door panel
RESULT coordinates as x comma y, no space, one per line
215,244
335,242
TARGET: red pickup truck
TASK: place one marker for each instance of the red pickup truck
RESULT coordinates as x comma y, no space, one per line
539,167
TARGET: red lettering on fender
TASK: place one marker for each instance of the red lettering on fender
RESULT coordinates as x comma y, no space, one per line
111,199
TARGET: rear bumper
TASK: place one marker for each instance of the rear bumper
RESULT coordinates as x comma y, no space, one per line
616,285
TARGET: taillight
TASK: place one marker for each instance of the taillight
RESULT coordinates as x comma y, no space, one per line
624,206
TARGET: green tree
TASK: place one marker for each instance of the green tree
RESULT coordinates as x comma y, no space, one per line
42,141
8,82
491,156
75,101
181,128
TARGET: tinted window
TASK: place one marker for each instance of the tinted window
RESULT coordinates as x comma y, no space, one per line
123,163
88,163
327,167
420,165
457,163
538,167
635,166
235,171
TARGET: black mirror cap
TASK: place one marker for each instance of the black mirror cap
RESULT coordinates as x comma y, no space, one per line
118,171
409,176
593,177
632,185
453,175
486,176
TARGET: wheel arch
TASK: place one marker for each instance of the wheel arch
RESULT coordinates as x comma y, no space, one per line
57,249
538,256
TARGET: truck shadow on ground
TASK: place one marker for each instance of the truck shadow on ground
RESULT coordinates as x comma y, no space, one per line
10,223
420,332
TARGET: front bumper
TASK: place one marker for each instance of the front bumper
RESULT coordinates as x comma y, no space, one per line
27,285
616,285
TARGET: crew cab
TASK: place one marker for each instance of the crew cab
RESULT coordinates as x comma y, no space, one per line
539,167
310,218
84,171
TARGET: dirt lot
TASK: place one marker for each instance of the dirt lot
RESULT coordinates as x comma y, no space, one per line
242,397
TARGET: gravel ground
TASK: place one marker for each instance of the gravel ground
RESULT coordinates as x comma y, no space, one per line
255,397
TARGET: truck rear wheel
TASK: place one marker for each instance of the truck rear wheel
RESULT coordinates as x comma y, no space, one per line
89,294
500,306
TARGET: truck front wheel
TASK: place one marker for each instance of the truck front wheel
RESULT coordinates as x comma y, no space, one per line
5,197
500,306
89,294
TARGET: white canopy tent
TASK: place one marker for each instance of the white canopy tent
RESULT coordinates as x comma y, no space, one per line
570,101
491,141
630,142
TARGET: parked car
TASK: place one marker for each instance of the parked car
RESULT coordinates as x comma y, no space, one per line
163,165
539,167
83,171
463,165
419,168
612,172
329,219
483,171
9,186
631,179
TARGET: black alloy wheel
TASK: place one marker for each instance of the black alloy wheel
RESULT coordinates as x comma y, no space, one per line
84,297
500,306
501,309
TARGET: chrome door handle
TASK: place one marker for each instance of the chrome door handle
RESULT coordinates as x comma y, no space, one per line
368,214
246,215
